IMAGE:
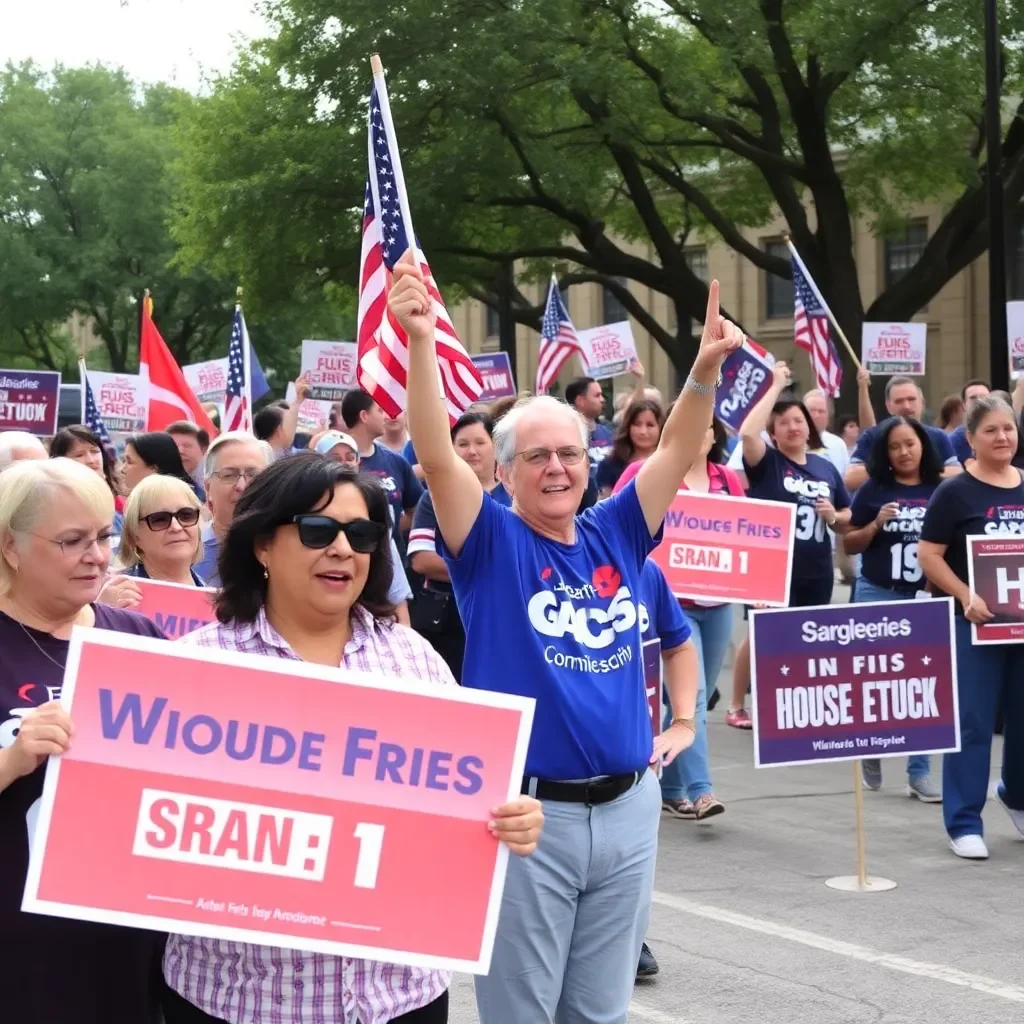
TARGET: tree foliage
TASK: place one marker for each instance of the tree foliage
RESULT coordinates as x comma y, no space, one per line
606,136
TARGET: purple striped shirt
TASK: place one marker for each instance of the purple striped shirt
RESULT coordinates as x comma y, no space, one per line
247,984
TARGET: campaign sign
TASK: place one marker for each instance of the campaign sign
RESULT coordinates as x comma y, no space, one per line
608,350
176,609
719,548
209,380
893,348
313,416
271,801
29,401
496,372
746,376
654,685
995,572
330,367
1015,335
122,400
839,682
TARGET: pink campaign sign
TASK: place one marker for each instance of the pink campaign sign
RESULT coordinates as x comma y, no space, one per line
175,609
275,802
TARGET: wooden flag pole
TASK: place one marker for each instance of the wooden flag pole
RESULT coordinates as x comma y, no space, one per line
838,329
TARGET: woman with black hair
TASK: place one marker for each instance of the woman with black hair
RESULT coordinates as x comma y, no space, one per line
80,444
146,454
636,439
885,526
305,571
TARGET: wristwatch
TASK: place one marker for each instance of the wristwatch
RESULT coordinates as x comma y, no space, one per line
689,723
702,389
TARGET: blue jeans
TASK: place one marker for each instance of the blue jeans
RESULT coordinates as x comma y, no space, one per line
574,915
689,774
918,765
987,678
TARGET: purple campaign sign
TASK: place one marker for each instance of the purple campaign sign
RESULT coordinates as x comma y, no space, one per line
496,371
29,400
746,376
838,682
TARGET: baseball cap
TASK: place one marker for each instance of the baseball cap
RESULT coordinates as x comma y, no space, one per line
332,439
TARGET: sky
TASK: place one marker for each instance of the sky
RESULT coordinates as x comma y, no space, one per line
181,42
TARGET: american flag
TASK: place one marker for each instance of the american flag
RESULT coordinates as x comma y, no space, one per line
90,411
383,344
812,331
238,397
558,339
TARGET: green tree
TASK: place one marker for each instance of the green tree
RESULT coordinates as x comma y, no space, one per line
563,131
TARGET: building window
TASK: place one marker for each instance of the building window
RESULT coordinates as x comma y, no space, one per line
612,309
778,291
903,250
696,257
492,323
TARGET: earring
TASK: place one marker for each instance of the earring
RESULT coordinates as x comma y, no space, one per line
266,574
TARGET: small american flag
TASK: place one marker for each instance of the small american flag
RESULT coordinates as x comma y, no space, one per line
90,411
558,339
812,331
238,400
383,344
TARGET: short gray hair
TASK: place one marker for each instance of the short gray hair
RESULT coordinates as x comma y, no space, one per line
981,407
233,437
12,440
899,381
505,428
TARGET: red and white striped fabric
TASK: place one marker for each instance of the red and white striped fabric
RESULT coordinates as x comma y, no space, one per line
383,346
558,339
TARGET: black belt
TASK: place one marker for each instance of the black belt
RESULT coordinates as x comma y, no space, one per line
600,791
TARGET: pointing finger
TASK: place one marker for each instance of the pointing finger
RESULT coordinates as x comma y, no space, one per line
711,317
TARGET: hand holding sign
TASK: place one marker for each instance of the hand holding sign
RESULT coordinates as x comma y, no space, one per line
518,824
121,592
719,337
43,732
976,610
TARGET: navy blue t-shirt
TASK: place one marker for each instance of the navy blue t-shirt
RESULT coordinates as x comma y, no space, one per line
891,558
964,506
609,469
961,446
776,478
395,476
560,623
939,438
409,453
661,618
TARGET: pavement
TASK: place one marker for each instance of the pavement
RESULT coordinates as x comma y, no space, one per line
745,929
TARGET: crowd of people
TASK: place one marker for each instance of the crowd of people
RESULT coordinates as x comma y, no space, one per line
507,552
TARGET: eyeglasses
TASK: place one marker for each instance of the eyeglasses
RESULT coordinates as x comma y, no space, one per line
569,455
78,546
160,521
232,475
363,535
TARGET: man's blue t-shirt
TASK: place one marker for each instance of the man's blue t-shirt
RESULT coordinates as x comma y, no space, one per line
601,438
961,446
207,565
939,438
396,477
409,453
776,478
891,558
560,623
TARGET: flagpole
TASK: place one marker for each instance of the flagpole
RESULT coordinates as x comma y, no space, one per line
246,356
831,317
83,382
396,159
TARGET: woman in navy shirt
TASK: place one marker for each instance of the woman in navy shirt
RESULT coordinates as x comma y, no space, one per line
789,472
987,499
885,526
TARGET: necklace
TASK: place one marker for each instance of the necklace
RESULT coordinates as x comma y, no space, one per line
39,648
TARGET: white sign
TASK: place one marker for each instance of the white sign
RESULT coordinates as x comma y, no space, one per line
331,366
313,415
1015,336
122,400
893,348
208,380
609,350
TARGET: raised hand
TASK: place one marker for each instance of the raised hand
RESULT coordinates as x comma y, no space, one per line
782,375
409,301
719,337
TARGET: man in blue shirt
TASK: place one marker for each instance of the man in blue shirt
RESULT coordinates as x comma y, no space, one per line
550,603
584,394
902,398
972,390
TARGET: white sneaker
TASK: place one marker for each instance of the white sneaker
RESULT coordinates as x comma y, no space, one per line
1017,817
969,847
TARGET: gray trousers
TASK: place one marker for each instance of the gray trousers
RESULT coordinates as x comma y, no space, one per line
575,914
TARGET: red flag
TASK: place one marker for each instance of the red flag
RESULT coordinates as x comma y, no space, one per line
170,397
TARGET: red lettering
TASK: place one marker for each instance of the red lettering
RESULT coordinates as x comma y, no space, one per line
160,815
197,824
235,836
270,843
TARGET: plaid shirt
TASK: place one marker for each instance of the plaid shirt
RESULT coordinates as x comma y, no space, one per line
247,984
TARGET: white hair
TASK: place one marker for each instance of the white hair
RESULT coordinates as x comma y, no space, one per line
505,428
15,440
233,437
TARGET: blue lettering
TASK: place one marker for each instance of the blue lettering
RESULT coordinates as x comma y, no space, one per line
171,739
188,734
437,770
167,623
252,734
354,751
416,766
392,757
470,782
311,751
131,706
267,755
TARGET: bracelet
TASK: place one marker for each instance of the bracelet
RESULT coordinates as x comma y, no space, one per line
702,389
689,723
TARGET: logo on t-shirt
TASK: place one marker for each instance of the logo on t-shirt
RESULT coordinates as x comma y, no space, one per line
910,517
810,489
33,694
591,614
1008,519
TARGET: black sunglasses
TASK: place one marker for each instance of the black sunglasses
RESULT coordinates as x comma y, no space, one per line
158,521
363,535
